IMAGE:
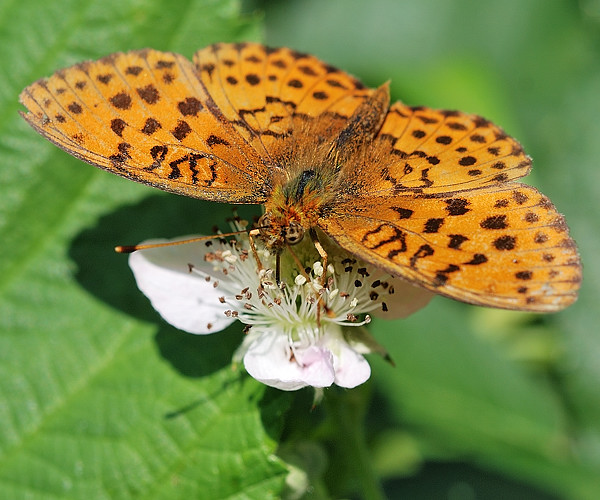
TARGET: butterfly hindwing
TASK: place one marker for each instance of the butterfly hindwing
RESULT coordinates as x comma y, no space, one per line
504,246
437,151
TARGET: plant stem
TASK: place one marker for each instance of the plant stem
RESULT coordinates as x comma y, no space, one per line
346,411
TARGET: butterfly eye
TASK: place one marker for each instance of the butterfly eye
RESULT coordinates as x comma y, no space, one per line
269,232
294,233
264,222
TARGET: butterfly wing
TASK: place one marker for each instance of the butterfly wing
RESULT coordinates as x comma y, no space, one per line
431,151
146,116
273,96
434,202
504,247
218,129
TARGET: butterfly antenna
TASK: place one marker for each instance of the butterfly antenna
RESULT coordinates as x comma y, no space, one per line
135,248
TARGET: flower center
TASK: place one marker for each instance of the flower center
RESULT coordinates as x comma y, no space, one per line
298,306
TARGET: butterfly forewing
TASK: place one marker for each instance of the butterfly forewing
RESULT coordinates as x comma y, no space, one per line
143,115
271,95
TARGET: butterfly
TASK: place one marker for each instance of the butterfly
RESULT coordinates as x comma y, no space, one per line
426,195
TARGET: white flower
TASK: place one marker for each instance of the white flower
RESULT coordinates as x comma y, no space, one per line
298,332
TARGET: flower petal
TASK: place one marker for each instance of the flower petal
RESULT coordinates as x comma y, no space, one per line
184,299
269,360
406,299
351,368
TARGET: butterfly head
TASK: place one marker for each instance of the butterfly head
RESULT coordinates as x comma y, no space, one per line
277,231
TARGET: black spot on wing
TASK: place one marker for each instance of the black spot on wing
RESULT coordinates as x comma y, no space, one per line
122,100
433,225
494,222
181,131
403,213
117,125
148,94
75,108
190,106
422,252
213,139
457,206
506,242
150,126
456,240
477,259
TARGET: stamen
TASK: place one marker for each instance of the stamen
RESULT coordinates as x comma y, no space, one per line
318,269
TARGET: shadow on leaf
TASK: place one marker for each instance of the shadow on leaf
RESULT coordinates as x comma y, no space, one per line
106,274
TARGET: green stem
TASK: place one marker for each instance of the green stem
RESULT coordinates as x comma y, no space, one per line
346,410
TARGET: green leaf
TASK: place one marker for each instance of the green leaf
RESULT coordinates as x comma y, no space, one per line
464,398
99,398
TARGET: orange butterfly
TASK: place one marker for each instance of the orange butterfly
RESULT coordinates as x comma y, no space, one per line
428,195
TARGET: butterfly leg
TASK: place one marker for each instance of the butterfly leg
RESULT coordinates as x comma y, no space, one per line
298,263
251,235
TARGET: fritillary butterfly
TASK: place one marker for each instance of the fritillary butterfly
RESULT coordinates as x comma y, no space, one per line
428,195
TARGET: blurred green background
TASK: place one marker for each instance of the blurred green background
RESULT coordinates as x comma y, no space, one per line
100,399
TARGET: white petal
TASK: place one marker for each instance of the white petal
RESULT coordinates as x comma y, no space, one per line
269,361
184,299
351,368
317,366
406,299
